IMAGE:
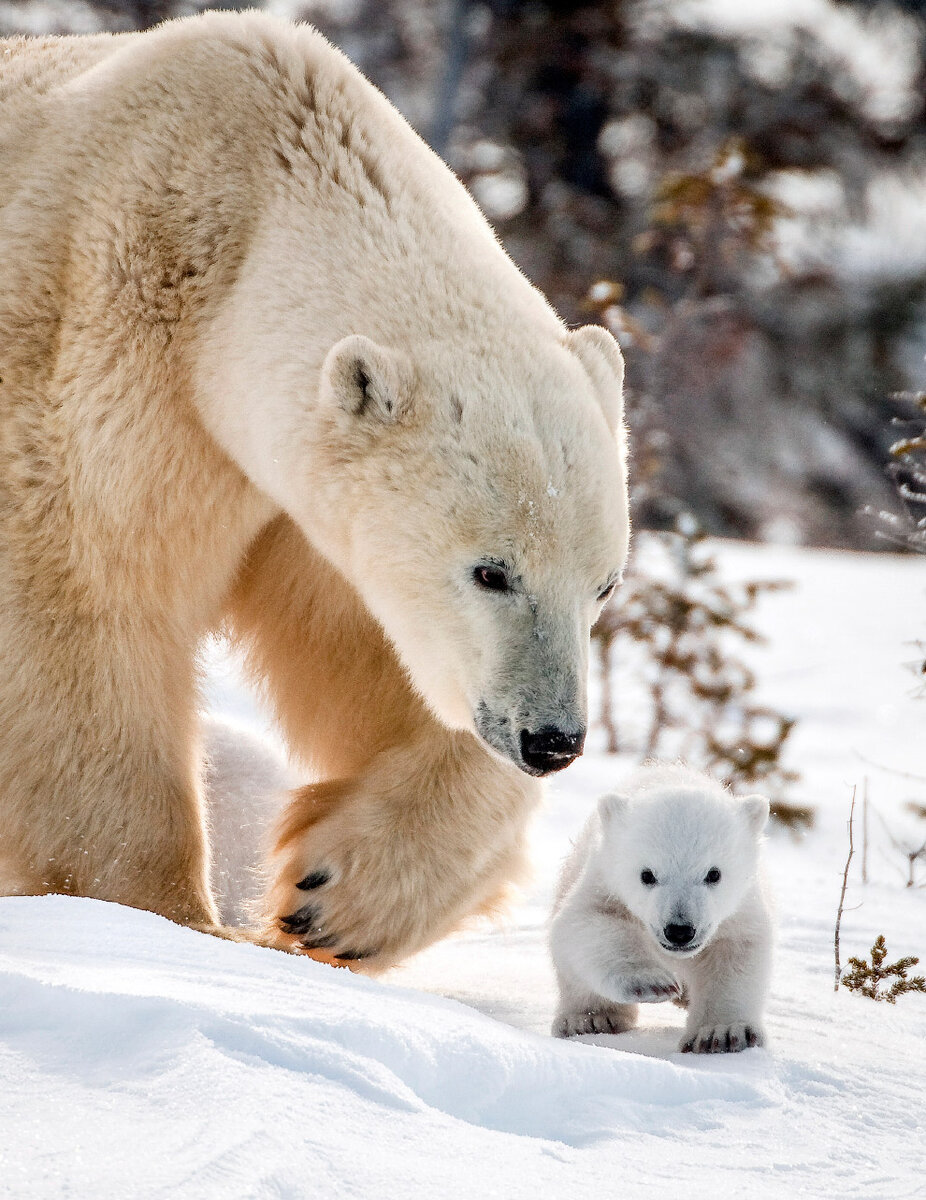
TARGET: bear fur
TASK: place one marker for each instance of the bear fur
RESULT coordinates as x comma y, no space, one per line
662,899
246,780
265,368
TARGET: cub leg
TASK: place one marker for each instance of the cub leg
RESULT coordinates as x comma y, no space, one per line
728,985
604,968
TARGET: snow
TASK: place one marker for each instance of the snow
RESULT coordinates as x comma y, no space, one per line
140,1059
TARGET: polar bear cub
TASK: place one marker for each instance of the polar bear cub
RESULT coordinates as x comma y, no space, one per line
662,899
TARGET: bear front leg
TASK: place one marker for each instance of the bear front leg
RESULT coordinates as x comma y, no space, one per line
604,969
374,868
728,985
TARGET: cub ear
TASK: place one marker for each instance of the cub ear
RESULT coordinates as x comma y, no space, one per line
366,380
601,356
756,809
611,808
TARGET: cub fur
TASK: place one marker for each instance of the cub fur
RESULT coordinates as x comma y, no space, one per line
662,899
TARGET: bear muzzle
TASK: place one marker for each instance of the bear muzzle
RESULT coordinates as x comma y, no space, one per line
550,749
679,938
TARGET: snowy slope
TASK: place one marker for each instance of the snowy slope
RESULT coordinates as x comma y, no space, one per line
141,1059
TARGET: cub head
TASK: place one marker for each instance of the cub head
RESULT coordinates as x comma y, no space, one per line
682,858
478,504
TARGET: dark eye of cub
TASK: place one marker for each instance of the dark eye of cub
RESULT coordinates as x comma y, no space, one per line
647,877
607,592
493,579
713,875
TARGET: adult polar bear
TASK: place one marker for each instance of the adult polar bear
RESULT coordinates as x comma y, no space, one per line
264,363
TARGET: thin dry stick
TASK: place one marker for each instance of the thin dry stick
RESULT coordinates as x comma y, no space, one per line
865,831
842,894
890,770
912,856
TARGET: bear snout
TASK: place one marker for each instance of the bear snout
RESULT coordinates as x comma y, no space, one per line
550,749
678,937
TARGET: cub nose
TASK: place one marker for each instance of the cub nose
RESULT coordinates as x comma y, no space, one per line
550,749
679,935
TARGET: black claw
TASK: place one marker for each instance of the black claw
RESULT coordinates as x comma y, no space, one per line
752,1038
314,879
320,941
302,921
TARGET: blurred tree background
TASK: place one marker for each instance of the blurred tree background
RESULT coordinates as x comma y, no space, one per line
737,190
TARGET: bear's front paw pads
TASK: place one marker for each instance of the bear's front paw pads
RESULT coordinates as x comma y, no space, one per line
601,1020
648,987
723,1039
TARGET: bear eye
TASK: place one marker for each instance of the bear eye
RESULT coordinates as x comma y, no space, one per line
713,875
608,590
491,577
647,877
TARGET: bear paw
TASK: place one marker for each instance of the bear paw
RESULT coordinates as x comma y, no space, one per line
314,923
616,1019
353,890
365,870
723,1039
645,987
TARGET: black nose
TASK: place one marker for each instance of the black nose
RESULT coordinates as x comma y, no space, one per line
549,749
679,935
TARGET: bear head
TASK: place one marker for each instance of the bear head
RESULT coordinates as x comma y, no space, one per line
479,507
681,857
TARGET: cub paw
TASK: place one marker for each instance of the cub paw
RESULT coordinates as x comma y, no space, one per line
645,987
723,1039
614,1019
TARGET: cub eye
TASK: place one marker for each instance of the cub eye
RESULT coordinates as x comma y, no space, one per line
647,877
492,578
713,875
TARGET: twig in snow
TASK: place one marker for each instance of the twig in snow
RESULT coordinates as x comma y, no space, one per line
870,762
842,894
865,831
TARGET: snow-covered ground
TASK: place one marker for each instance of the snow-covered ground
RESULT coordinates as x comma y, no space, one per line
139,1059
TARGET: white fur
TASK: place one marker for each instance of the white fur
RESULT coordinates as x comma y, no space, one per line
487,430
265,367
609,937
246,781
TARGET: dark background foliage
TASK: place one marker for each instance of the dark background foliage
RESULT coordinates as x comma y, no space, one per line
738,199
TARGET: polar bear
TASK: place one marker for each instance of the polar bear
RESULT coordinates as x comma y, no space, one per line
662,899
265,367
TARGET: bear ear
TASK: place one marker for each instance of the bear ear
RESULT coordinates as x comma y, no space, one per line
366,380
611,808
601,356
756,809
